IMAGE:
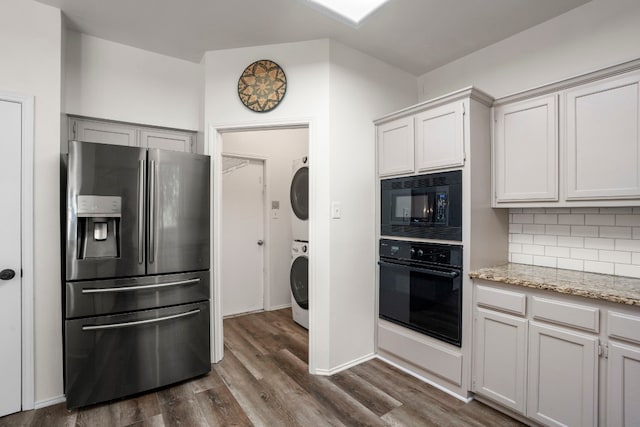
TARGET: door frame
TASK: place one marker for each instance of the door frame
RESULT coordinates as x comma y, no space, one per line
266,254
213,147
27,103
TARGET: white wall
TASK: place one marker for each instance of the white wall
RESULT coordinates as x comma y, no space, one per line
30,48
118,82
595,35
336,325
279,147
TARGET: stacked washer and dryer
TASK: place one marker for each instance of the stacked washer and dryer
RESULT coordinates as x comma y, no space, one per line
299,273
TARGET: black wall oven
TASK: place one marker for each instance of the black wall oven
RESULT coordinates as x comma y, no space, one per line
421,287
422,206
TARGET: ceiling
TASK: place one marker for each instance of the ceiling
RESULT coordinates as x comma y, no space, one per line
414,35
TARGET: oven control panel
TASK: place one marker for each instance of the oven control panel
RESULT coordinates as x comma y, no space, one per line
420,252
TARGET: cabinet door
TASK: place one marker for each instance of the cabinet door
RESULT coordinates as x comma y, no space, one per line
102,132
562,376
623,385
395,147
440,137
500,358
174,141
602,139
525,148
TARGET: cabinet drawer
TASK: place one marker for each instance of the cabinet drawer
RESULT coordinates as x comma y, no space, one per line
511,302
623,326
564,313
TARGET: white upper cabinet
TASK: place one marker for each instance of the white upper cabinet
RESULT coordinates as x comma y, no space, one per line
440,137
602,139
395,147
166,140
102,132
526,150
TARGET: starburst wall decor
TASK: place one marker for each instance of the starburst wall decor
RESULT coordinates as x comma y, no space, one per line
262,86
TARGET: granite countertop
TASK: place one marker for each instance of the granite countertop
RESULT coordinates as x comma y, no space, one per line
623,290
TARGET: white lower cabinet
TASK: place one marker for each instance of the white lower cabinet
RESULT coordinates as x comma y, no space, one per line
562,376
501,358
623,385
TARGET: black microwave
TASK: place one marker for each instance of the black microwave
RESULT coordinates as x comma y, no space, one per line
422,206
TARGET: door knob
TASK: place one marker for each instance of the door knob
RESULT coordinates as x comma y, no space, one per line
7,274
260,242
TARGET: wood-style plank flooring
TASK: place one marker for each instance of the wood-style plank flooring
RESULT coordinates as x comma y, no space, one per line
263,380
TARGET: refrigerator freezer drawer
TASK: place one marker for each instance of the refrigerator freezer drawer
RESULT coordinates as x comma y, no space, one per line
98,297
109,357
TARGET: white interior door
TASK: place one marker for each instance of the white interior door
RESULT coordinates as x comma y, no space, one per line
10,297
242,250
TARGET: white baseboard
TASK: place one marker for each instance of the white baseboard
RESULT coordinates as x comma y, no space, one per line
279,307
344,366
426,380
49,402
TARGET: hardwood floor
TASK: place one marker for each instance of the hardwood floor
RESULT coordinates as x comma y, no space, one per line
263,381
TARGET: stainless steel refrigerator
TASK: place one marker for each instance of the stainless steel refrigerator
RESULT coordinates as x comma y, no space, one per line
135,270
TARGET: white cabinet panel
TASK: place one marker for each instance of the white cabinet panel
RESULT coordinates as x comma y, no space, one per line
623,387
500,358
562,376
440,137
602,139
165,140
395,147
102,132
526,150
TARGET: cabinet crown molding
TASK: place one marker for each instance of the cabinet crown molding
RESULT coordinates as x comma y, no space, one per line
570,82
468,92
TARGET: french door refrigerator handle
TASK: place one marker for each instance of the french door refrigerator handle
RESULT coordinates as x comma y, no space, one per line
152,212
139,322
138,287
141,197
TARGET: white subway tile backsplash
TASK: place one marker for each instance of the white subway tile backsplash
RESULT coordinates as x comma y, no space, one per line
587,254
522,238
617,257
627,270
599,219
571,242
545,219
523,218
628,220
571,264
599,240
522,259
571,219
584,230
533,229
545,261
533,249
559,230
599,267
558,252
616,210
545,240
599,243
628,245
616,232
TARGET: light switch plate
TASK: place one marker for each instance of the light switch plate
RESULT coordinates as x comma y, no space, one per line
336,210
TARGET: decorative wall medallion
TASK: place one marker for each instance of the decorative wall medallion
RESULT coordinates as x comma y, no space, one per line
262,86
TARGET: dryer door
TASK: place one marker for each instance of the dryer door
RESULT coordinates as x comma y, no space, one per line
299,279
299,193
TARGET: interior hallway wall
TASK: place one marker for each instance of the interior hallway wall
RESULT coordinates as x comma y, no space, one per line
279,147
30,48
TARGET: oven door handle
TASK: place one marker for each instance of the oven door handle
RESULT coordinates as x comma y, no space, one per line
452,274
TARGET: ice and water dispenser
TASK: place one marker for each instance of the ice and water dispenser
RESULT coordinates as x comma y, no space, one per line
99,226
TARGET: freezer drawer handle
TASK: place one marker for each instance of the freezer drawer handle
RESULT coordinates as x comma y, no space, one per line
139,287
140,322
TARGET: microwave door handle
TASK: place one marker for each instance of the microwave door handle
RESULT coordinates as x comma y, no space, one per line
447,274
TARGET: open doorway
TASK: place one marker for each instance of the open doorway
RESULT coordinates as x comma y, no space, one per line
244,153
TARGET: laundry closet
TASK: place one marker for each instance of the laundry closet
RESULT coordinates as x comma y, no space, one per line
265,222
